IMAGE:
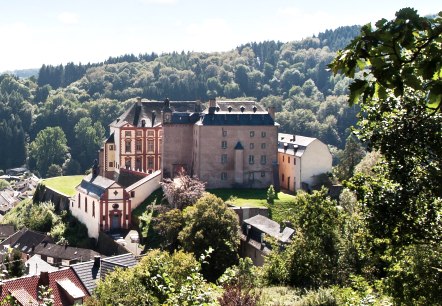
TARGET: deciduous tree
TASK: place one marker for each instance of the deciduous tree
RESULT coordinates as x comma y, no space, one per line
211,224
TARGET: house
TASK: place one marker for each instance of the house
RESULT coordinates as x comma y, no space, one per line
35,265
135,141
66,287
6,230
253,231
8,199
90,272
25,240
103,204
301,161
62,255
231,144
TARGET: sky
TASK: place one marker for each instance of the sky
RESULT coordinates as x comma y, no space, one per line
53,32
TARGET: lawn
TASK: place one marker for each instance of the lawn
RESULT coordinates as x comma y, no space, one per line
64,184
250,197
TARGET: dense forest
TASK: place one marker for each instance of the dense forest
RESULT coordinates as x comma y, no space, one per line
83,99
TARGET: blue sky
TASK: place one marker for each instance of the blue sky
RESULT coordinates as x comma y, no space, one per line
36,32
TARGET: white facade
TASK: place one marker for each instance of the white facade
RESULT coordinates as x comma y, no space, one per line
301,159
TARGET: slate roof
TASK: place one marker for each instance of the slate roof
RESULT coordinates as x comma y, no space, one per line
184,118
111,139
6,230
94,186
270,227
64,252
25,239
144,111
109,264
89,272
127,178
297,146
252,119
236,106
63,283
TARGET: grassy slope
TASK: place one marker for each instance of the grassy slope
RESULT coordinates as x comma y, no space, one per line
64,184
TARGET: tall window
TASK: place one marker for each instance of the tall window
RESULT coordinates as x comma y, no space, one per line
224,133
79,200
252,146
138,145
128,146
263,159
252,133
160,145
138,163
139,133
251,159
288,159
224,159
263,145
150,146
224,144
93,209
150,133
223,176
85,204
263,134
150,162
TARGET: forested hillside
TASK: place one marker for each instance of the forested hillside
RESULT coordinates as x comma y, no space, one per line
83,99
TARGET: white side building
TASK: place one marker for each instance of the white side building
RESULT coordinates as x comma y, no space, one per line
301,160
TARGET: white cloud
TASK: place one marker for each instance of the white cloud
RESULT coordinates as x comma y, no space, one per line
68,18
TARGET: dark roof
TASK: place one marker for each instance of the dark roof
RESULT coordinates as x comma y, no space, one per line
185,118
127,178
110,263
6,230
111,139
64,252
144,111
239,146
63,283
88,273
238,119
235,106
25,239
95,186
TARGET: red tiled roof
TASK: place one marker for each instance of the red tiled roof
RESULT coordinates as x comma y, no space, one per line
30,284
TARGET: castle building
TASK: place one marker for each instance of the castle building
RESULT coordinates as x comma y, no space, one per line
135,141
231,144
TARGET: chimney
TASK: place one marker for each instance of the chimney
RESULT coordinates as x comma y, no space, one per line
166,103
154,115
95,168
97,261
271,111
293,137
44,278
138,101
212,106
143,123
